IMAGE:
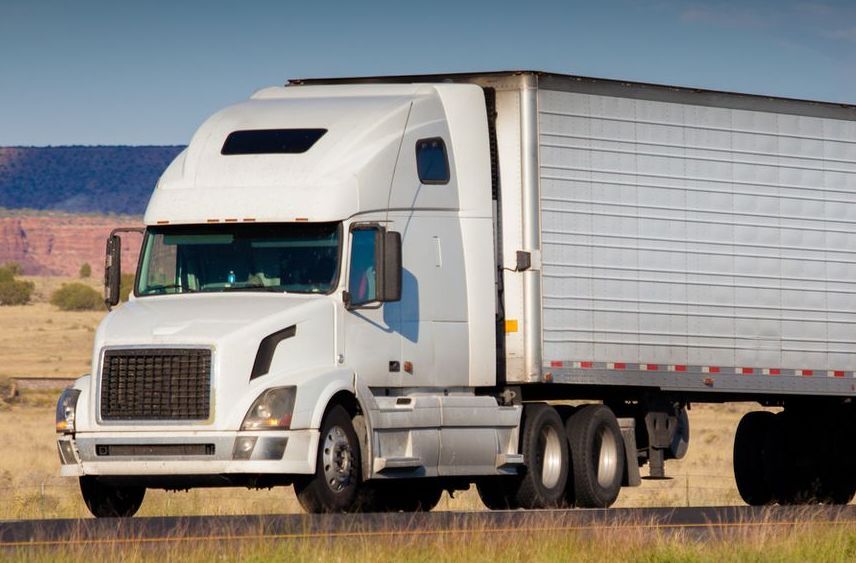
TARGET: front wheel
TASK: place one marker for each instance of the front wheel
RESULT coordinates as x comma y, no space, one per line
106,501
336,482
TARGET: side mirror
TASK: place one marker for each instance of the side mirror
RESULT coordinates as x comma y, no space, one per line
375,272
113,265
390,284
112,271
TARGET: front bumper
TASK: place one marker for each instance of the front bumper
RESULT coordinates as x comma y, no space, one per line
116,454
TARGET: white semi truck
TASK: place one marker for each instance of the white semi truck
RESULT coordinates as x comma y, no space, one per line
377,289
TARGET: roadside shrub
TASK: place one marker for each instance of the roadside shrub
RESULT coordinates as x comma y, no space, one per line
77,297
126,286
15,292
9,270
85,270
13,267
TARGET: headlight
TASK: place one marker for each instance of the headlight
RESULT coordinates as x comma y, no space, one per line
65,411
271,411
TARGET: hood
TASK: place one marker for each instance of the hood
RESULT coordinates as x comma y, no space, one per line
233,326
202,319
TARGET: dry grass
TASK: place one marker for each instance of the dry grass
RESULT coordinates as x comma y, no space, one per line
40,340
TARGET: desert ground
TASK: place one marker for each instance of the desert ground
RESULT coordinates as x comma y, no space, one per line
40,340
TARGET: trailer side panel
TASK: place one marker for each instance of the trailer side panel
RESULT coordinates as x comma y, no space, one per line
691,237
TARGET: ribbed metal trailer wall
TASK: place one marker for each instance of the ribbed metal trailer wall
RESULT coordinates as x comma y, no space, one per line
682,238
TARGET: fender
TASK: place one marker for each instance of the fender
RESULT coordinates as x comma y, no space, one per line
323,387
314,393
85,409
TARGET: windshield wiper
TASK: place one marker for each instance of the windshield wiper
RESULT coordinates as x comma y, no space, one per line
254,287
163,288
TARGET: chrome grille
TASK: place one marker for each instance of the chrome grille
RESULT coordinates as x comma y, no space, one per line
156,384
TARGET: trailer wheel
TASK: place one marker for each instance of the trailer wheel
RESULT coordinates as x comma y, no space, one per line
792,472
106,501
597,456
751,458
336,482
545,452
837,485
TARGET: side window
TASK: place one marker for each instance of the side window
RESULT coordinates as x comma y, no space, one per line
362,283
432,162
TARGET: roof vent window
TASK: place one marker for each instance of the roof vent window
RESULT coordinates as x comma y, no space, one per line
271,141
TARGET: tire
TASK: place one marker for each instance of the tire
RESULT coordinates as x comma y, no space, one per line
681,440
835,462
837,485
597,456
750,458
808,463
791,472
336,483
499,493
545,453
105,501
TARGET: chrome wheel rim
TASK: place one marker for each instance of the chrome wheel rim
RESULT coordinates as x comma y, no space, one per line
338,459
551,465
607,458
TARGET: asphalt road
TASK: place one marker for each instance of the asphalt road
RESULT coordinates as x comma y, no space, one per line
700,523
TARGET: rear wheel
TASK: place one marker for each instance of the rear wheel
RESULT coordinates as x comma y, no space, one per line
751,457
597,456
545,452
106,501
336,482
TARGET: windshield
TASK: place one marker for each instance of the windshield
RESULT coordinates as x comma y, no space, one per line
292,257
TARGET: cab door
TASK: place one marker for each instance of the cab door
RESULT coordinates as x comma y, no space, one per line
372,344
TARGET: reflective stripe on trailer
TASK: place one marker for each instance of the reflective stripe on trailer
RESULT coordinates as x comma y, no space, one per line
681,368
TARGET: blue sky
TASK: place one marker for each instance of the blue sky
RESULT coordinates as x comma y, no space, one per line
149,72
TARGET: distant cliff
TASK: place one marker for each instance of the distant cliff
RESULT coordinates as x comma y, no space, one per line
58,243
104,179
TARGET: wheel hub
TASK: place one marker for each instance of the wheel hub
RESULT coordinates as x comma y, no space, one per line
337,458
607,459
551,467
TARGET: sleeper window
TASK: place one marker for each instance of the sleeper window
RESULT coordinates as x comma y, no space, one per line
432,162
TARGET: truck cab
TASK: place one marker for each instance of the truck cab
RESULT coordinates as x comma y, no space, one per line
314,248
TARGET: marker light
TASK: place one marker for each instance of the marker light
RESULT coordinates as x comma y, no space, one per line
271,411
65,411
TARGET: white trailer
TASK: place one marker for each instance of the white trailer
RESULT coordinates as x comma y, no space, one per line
376,289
